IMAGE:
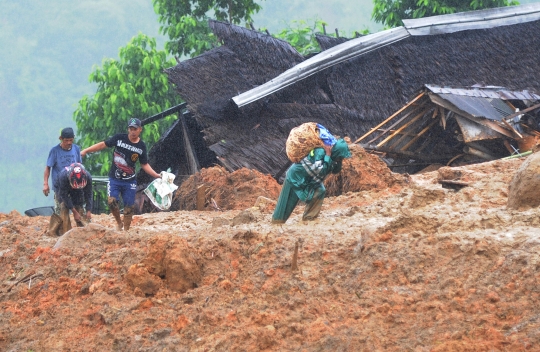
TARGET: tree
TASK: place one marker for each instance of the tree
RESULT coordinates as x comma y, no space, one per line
391,12
134,86
301,35
185,22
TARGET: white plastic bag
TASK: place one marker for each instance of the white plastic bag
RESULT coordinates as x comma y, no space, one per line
161,189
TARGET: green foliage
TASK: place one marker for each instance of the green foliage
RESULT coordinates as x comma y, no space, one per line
301,35
134,86
392,12
185,22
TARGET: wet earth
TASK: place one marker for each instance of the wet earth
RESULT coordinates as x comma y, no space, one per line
393,263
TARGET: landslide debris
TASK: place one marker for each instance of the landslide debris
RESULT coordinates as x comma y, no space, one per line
414,267
524,190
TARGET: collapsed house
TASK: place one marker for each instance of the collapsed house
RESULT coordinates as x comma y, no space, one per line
457,125
244,97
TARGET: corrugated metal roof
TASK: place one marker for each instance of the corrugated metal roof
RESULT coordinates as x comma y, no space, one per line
477,107
425,26
486,102
485,92
481,19
472,131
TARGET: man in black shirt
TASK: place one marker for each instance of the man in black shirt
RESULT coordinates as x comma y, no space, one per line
128,150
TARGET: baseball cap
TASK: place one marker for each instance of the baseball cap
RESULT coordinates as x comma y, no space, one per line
67,133
134,122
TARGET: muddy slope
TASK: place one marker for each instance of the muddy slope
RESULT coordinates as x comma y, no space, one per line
413,266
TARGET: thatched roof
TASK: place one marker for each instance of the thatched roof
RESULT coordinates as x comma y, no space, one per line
435,25
465,58
246,59
348,98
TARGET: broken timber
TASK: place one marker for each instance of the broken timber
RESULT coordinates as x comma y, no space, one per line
440,124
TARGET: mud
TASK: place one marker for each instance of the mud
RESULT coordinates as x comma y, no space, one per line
398,264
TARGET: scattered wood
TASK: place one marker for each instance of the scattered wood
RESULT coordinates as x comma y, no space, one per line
452,184
27,278
294,265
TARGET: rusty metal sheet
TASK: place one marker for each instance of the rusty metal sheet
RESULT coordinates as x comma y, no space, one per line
472,131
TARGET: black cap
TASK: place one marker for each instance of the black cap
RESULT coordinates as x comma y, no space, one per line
134,122
67,133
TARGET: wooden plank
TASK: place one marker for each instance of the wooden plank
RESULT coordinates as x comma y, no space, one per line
191,157
413,133
512,128
521,112
163,114
416,156
391,117
443,118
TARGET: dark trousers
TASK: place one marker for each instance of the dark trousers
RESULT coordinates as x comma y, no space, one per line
288,200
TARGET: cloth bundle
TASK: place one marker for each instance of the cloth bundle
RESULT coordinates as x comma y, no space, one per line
160,191
304,138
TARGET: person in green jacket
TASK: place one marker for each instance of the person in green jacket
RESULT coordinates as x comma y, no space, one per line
304,181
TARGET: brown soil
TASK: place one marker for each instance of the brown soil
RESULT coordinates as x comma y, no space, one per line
224,190
394,264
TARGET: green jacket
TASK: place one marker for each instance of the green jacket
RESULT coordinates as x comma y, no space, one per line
309,174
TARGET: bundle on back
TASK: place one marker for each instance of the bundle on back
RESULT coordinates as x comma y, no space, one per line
301,140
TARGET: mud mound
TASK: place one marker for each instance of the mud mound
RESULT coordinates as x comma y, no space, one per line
225,190
524,188
362,172
172,259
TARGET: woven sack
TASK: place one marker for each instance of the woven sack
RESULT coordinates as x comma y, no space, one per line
301,140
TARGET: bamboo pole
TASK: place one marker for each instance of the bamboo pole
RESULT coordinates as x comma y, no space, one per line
517,155
406,146
405,134
443,118
389,129
390,118
404,126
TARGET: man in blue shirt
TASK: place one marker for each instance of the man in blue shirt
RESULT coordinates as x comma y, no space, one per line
60,157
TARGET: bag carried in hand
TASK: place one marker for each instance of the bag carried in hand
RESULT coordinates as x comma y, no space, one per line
160,190
304,138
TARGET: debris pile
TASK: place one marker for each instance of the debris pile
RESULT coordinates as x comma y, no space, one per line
363,172
223,190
